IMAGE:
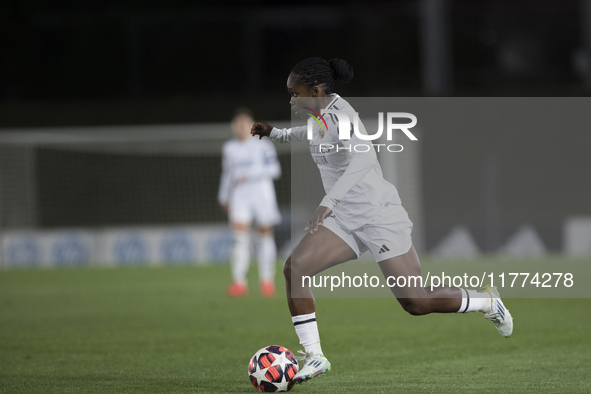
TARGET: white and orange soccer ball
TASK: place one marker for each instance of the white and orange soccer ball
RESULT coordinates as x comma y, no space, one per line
272,368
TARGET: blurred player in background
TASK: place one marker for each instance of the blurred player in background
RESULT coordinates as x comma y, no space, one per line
247,194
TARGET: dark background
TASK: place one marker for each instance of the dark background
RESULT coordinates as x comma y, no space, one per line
71,63
129,62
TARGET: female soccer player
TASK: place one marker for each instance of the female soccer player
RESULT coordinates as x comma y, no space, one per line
366,215
247,194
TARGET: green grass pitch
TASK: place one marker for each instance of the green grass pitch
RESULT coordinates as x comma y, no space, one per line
172,330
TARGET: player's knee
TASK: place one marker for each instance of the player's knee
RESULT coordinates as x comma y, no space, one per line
239,227
415,306
265,231
297,264
287,269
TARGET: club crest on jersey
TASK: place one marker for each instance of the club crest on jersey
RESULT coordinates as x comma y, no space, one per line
321,130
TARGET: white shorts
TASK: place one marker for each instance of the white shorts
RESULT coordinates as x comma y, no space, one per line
254,202
385,236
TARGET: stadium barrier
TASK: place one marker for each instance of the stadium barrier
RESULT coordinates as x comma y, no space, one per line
200,244
577,236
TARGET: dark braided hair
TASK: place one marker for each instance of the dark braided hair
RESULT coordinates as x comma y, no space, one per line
315,71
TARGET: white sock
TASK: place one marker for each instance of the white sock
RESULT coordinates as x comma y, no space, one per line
240,257
474,301
267,256
307,330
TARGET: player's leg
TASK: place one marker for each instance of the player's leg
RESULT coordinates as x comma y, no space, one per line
415,299
241,215
267,259
315,253
418,300
240,259
390,242
266,215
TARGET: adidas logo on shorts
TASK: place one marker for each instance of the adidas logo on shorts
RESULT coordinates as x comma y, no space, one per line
383,249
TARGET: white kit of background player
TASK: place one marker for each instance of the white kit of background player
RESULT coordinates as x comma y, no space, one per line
247,194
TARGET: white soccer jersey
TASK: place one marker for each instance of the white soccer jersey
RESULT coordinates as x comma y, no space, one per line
356,190
248,170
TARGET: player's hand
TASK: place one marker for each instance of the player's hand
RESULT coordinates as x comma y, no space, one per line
241,180
262,129
224,207
317,219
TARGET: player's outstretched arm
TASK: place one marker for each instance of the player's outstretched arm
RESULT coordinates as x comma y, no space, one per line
262,129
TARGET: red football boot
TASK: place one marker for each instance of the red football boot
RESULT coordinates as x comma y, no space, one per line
268,288
237,290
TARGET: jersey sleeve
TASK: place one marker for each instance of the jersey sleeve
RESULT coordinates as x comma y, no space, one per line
360,163
226,178
289,135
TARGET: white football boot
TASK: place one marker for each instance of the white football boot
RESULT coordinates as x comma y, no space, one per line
498,314
313,365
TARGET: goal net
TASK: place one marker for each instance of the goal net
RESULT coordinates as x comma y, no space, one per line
117,195
132,195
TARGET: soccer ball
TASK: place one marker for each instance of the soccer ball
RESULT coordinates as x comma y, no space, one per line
272,368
